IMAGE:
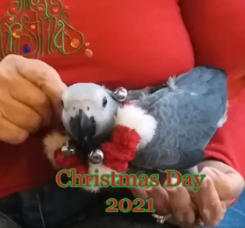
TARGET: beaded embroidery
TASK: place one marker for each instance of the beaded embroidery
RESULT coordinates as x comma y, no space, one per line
33,28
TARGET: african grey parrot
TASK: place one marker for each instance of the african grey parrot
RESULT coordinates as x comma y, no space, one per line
183,116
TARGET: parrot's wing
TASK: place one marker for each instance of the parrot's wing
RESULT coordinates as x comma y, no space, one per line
135,95
138,94
188,113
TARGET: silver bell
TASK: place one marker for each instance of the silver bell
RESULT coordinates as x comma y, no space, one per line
121,94
67,150
96,156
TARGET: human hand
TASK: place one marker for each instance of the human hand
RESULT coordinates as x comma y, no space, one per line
206,207
27,89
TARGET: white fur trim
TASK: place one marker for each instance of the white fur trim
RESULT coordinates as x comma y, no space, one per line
136,118
101,167
102,170
53,142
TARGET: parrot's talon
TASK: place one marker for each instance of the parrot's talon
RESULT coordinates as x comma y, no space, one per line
96,156
121,94
161,221
161,218
67,149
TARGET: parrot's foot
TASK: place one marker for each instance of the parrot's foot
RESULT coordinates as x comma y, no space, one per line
193,170
136,118
92,189
162,218
53,142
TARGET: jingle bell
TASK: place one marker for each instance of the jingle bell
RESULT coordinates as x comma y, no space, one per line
96,156
121,94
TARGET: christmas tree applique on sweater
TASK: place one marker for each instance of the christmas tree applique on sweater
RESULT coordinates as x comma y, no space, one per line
33,28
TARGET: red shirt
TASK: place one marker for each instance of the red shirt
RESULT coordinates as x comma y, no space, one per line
134,44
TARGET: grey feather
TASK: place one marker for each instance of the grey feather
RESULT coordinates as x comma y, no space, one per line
188,112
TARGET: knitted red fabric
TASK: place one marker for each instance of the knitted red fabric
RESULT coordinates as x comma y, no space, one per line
121,149
68,162
118,152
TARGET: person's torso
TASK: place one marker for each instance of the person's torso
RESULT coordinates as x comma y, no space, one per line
134,43
111,42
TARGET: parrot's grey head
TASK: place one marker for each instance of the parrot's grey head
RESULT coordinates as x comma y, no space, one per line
88,111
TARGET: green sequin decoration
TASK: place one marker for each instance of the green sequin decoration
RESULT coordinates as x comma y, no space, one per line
42,29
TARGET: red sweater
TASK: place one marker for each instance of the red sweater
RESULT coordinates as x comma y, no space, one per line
134,44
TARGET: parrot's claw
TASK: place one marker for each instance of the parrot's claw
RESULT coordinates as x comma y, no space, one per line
161,218
193,170
92,189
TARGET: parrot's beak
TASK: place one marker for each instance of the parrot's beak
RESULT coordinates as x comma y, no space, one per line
83,128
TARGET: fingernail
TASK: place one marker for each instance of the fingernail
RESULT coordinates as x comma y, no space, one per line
147,188
171,190
200,223
171,184
169,187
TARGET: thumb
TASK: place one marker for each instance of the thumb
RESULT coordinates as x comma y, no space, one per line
228,182
43,76
223,183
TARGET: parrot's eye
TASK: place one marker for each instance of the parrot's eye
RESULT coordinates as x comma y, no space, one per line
62,103
104,103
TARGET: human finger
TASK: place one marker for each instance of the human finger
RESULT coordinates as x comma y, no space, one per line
43,76
210,208
10,133
228,183
19,114
181,204
29,94
160,198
